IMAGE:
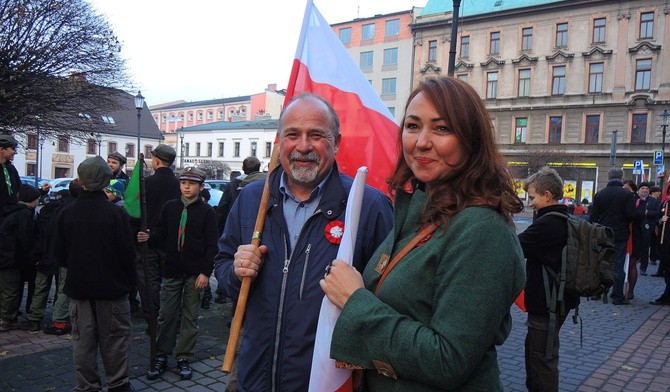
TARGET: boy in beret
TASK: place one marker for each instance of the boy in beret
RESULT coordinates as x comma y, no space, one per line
17,231
116,161
186,231
94,241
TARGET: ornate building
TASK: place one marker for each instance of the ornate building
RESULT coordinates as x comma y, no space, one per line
562,79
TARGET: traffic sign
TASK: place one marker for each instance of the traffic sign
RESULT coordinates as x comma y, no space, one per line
658,157
637,167
660,171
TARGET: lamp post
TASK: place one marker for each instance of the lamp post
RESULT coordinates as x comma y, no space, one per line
98,139
454,34
180,132
139,105
664,126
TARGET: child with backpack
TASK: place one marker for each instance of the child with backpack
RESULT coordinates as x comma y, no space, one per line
186,230
542,243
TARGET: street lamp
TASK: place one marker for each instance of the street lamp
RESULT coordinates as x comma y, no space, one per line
180,132
664,125
139,105
98,139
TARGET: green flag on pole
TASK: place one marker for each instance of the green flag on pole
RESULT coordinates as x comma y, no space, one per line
131,197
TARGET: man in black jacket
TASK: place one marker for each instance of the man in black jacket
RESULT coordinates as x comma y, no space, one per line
614,207
95,242
10,182
160,188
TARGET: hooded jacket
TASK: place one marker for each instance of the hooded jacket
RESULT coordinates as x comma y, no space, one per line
285,298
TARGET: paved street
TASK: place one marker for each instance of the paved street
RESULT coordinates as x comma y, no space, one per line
623,348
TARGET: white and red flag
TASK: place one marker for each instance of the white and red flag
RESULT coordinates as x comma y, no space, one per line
323,66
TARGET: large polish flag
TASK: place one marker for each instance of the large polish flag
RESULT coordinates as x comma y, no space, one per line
323,66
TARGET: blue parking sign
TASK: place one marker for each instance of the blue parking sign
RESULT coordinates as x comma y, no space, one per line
637,167
658,157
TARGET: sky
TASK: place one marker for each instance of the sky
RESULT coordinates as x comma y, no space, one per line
206,49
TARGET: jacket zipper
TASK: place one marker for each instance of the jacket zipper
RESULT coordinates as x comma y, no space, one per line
304,270
282,295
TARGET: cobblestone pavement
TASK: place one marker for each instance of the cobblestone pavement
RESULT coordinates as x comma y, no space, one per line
613,348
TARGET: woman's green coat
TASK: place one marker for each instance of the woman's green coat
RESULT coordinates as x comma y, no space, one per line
442,310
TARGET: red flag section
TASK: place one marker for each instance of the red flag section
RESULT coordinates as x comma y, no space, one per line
323,66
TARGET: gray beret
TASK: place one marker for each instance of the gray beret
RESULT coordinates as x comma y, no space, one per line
164,153
117,155
8,141
193,174
94,173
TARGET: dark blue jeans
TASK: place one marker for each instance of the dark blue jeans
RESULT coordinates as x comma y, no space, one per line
619,260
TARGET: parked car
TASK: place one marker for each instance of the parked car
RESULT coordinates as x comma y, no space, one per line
215,197
57,184
30,180
217,184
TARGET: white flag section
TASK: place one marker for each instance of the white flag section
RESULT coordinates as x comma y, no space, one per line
325,377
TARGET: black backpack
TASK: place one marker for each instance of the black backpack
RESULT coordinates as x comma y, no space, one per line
587,268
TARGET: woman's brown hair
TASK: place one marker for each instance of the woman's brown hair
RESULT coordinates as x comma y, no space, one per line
482,178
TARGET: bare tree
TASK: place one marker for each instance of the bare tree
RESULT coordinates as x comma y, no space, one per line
215,169
59,62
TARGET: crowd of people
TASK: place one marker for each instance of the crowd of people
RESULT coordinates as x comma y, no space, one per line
424,303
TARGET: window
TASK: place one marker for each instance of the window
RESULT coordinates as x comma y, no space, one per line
562,35
368,32
197,149
130,150
392,27
220,149
210,115
639,133
492,85
63,144
647,25
592,129
521,130
111,147
558,81
222,114
643,74
465,46
391,56
596,78
495,43
199,115
110,120
236,153
555,128
524,82
432,50
463,77
147,151
268,149
190,117
31,168
527,38
32,142
366,60
388,86
599,30
210,147
254,148
345,35
187,149
91,147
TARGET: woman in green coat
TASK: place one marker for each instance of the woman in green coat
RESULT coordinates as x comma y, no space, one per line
434,301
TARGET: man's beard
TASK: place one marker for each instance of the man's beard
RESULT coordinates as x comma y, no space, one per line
304,175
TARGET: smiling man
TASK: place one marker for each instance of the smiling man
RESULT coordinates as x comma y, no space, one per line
300,238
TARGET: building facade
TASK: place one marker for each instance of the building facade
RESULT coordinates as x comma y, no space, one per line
172,116
228,142
382,48
57,156
562,79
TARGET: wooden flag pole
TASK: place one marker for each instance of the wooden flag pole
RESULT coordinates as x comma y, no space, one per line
236,325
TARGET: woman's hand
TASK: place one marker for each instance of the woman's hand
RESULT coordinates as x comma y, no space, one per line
248,260
340,281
